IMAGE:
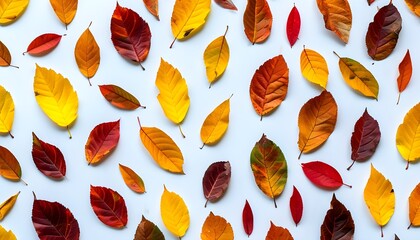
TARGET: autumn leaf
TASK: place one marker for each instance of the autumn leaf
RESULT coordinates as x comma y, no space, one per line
257,21
7,111
276,233
147,230
269,85
216,228
153,7
414,6
337,17
6,235
216,123
188,16
247,218
5,57
358,77
296,206
370,2
87,54
65,10
216,181
132,179
162,149
338,223
174,213
11,10
323,175
56,97
396,237
7,205
109,206
406,70
216,58
9,165
228,4
43,44
119,97
130,35
293,26
314,67
413,206
102,140
380,198
382,34
365,138
316,121
269,167
52,220
408,136
173,93
48,158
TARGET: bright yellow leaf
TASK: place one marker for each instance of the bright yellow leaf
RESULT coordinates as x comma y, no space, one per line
188,16
314,67
408,135
216,58
6,235
65,10
216,123
55,96
7,111
10,10
379,197
216,228
7,205
163,149
173,93
174,213
87,54
414,206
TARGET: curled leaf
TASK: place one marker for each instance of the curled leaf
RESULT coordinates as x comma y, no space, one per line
296,206
293,26
247,218
216,227
119,97
147,230
314,67
408,136
132,179
174,213
257,21
9,165
65,10
276,233
323,175
11,10
216,181
43,44
7,205
102,140
338,223
7,111
48,158
337,17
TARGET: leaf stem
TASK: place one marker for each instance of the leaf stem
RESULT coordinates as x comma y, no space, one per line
398,100
408,164
142,67
90,84
14,66
203,146
11,135
409,226
351,165
138,120
300,154
227,28
68,130
26,184
336,54
382,232
275,204
205,205
345,184
90,24
261,117
180,130
172,42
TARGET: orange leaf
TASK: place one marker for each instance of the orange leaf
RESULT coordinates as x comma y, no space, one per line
276,233
65,10
406,70
153,7
257,21
414,207
269,85
9,165
119,97
216,228
316,121
103,139
131,179
337,17
87,54
5,57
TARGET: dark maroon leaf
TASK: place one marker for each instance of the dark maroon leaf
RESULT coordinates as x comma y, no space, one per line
396,237
48,158
338,223
365,138
216,181
248,218
296,206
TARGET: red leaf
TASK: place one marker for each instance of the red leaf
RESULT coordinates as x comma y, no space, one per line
338,223
52,220
228,4
293,26
248,218
323,175
296,206
109,206
103,139
48,158
119,97
130,34
370,2
365,138
43,44
406,70
216,181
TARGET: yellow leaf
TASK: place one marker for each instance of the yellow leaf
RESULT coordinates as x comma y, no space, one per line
55,96
7,111
174,213
162,148
216,58
7,205
314,67
6,235
188,16
173,93
10,10
65,10
408,135
414,207
379,197
216,228
87,54
216,124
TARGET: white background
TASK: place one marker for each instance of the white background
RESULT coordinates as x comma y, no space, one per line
244,130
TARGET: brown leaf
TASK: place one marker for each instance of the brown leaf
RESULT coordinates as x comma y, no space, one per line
338,223
337,17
